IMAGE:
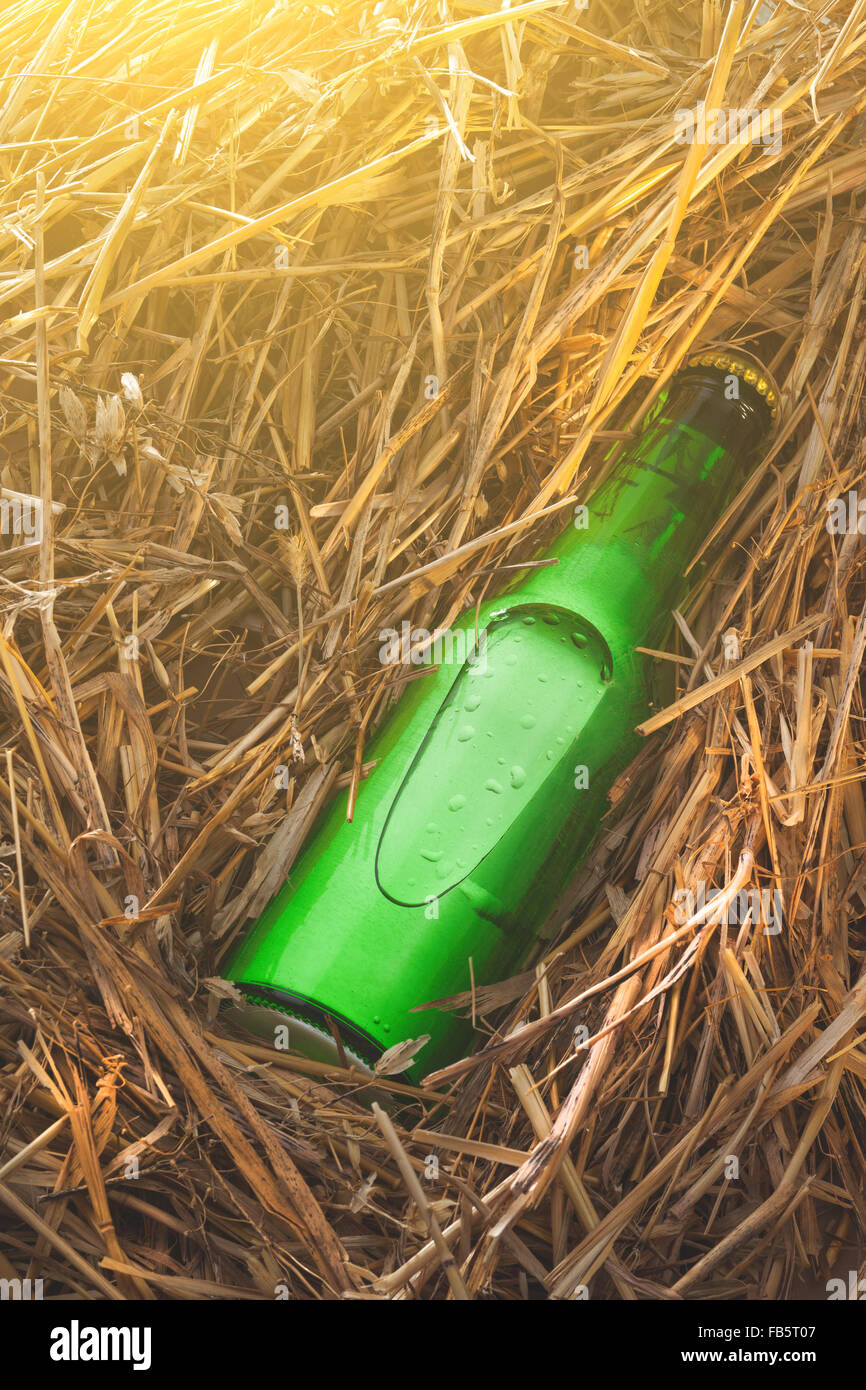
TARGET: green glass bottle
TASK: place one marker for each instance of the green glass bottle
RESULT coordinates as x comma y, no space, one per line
492,771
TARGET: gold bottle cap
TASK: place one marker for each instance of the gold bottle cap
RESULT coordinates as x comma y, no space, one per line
740,363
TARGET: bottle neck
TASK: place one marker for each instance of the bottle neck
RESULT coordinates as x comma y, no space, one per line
630,545
722,407
664,492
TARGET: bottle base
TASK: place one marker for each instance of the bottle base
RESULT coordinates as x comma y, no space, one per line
266,1010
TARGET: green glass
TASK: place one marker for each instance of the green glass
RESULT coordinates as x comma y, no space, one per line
492,772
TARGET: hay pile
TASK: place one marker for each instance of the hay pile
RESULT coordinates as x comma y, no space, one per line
237,242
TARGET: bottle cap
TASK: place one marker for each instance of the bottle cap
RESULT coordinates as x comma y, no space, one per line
743,364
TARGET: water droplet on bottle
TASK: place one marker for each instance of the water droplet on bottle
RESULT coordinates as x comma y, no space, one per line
491,785
528,622
518,776
432,828
528,721
432,855
542,677
457,802
465,733
472,702
579,639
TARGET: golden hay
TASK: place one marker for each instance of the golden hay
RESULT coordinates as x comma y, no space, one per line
238,240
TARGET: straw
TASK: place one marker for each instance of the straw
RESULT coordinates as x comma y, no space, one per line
316,320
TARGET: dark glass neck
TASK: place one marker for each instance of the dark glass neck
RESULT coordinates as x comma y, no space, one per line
700,397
